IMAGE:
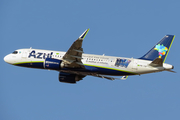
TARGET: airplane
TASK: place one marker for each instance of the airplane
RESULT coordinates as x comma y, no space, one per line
74,65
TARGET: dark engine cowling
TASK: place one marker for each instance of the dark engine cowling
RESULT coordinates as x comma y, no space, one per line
54,64
69,78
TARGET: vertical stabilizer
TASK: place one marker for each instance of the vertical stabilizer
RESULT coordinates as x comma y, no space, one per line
160,50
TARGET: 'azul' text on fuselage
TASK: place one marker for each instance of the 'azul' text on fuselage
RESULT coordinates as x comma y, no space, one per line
40,55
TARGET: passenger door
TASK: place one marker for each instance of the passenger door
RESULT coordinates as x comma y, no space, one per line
25,54
135,63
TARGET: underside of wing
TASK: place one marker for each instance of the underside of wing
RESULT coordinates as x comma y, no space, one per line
73,57
109,77
80,73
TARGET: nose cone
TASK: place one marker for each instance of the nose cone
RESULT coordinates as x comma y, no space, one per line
7,59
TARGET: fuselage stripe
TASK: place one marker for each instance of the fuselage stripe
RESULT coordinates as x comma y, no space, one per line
28,62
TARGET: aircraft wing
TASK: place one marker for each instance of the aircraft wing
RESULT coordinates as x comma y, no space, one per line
110,78
73,56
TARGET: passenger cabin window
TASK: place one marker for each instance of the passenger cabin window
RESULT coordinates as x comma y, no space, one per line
15,52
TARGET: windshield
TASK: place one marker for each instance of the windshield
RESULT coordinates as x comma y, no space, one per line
15,52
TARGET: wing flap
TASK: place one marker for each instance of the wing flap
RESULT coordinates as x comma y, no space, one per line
110,78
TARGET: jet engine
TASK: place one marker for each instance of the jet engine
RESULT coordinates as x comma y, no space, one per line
54,64
69,78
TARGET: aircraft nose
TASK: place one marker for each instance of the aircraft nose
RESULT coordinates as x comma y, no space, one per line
7,58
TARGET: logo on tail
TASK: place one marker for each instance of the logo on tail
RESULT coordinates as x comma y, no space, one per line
161,49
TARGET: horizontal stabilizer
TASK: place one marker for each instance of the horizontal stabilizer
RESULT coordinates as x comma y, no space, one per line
157,62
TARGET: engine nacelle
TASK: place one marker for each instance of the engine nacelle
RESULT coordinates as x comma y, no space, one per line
54,64
69,78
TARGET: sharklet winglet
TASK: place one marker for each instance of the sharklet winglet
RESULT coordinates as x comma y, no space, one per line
84,34
124,77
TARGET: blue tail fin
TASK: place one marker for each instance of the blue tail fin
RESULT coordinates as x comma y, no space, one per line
160,50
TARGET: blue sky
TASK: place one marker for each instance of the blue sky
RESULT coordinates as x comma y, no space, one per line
118,28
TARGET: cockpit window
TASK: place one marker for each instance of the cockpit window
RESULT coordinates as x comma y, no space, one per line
15,52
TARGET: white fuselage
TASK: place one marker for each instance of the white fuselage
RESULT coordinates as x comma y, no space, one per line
129,65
